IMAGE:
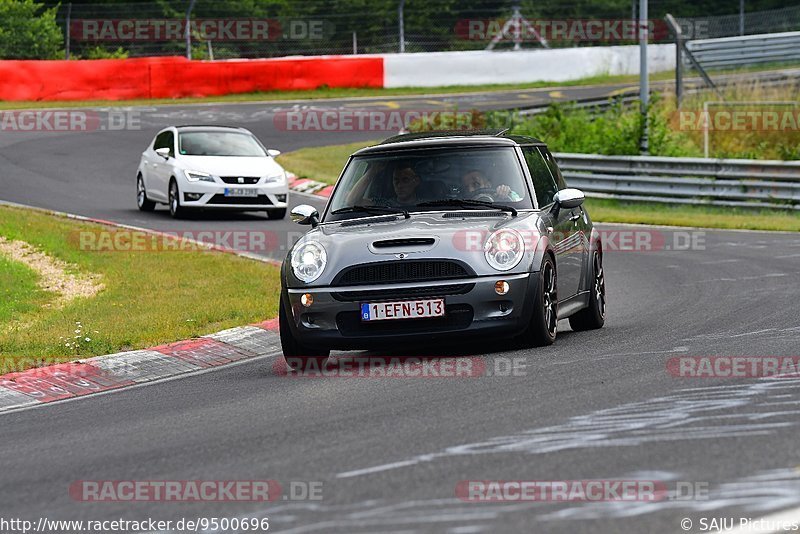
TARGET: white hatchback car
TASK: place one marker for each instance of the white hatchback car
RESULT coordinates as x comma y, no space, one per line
205,167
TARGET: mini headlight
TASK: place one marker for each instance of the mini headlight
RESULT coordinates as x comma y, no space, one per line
198,176
308,261
504,249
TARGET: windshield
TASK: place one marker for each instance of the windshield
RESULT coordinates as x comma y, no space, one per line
433,179
219,144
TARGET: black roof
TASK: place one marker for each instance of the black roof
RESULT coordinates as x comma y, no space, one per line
208,126
449,138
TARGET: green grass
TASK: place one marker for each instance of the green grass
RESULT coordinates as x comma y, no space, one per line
19,292
325,164
150,297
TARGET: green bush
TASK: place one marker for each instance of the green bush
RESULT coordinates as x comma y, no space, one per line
98,52
27,34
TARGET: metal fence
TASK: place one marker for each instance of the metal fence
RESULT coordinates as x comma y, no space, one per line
784,19
334,27
746,50
718,182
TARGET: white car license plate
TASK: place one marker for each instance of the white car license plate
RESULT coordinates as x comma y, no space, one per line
234,192
406,309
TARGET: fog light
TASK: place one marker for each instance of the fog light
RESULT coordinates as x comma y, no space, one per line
281,198
191,197
307,300
501,287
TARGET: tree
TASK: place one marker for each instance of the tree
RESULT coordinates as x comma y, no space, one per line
27,34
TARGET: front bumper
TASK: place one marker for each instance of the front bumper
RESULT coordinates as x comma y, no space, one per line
209,195
472,308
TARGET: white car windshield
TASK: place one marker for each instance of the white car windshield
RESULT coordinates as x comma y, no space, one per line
432,179
219,144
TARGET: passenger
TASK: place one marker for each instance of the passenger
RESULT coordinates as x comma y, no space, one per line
476,180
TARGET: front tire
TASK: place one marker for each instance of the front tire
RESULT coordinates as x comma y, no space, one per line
297,355
175,208
279,213
142,201
542,329
593,316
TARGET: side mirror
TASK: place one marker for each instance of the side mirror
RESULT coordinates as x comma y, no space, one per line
163,152
273,153
305,214
569,198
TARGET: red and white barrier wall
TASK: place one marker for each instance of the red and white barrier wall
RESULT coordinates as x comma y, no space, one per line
554,65
176,77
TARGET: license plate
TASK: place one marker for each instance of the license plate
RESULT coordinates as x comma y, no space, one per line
406,309
238,192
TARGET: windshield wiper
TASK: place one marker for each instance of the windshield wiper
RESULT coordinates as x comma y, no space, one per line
375,210
466,203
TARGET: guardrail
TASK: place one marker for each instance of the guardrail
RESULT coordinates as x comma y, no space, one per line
718,182
746,50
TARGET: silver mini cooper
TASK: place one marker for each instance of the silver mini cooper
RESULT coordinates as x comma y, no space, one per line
442,236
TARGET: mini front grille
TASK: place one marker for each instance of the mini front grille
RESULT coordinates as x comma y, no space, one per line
401,271
250,180
406,293
260,200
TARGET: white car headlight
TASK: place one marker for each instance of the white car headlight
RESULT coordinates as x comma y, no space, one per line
279,178
308,261
198,176
504,249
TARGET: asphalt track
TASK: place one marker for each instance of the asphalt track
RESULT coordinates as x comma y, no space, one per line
389,452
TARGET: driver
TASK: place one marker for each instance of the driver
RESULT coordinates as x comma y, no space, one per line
475,180
405,182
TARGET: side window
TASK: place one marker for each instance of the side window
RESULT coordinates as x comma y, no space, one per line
165,140
543,182
551,163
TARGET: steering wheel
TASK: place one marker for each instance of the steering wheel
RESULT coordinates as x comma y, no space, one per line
484,194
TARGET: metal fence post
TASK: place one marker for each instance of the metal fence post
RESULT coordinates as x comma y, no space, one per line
401,27
676,28
189,30
644,86
69,31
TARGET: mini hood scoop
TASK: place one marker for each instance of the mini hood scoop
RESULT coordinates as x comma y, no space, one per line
403,245
404,242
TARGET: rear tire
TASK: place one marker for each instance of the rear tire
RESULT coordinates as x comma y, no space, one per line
142,201
297,355
276,213
543,327
593,316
